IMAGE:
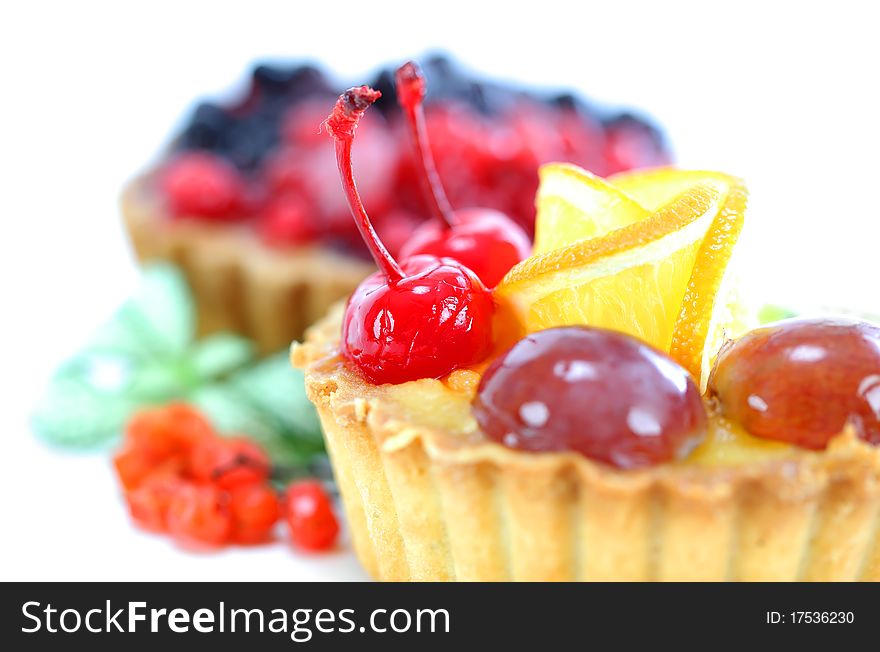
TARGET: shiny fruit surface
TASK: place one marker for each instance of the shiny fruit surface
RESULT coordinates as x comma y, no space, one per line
644,253
420,319
483,240
434,319
310,518
255,510
801,381
596,392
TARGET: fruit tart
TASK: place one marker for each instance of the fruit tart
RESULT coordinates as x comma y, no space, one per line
245,199
592,417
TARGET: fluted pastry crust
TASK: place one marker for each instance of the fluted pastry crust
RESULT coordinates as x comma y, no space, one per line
424,504
239,284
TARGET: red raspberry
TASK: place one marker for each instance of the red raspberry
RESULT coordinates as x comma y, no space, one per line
287,220
198,184
287,170
300,126
630,144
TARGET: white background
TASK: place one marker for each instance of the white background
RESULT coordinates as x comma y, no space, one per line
783,94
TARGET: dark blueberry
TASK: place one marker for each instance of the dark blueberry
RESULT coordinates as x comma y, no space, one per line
309,80
273,79
384,83
494,99
290,80
447,80
573,102
244,132
247,142
628,120
206,127
566,100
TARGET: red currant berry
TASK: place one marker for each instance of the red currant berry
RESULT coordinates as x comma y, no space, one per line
596,392
423,319
133,467
168,431
484,240
228,463
198,184
255,510
310,518
802,381
199,515
148,504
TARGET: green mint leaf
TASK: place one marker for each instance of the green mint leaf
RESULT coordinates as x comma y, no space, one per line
219,355
157,320
278,390
74,414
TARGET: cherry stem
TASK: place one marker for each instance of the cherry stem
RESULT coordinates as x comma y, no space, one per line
410,95
341,123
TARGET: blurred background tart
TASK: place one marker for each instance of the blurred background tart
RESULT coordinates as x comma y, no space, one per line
246,198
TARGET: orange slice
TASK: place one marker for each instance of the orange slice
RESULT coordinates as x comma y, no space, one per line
657,277
575,205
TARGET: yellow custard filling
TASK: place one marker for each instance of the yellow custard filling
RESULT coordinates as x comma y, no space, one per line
446,405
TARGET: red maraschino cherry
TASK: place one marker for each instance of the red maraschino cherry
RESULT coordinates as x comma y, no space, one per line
485,240
421,319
